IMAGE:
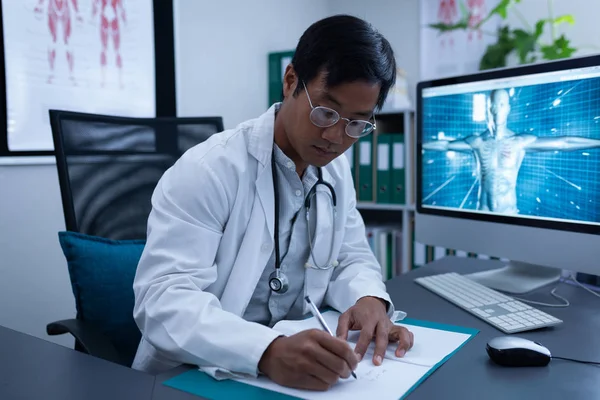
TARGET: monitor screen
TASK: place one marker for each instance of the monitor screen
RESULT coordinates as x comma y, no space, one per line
522,149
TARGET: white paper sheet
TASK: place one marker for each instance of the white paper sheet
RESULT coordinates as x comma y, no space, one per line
382,382
390,381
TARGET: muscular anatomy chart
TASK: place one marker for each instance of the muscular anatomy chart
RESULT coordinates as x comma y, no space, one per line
111,12
80,55
59,19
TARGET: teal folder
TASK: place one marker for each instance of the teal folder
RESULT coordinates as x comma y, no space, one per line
397,175
200,384
444,327
365,170
383,164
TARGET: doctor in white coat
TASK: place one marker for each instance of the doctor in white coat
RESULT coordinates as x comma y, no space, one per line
248,223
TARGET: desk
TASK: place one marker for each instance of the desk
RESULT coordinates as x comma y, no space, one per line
469,374
33,368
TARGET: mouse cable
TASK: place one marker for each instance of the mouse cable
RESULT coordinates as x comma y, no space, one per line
575,360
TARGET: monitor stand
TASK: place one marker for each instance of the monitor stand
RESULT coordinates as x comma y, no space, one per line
517,277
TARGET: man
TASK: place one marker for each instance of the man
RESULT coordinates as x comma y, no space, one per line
224,235
499,153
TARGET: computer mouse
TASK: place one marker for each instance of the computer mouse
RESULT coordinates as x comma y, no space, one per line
512,351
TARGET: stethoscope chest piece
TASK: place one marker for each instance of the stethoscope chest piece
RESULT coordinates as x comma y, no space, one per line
278,281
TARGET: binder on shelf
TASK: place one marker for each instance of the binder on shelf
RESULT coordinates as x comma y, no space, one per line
398,178
420,254
429,253
386,244
399,267
365,168
383,175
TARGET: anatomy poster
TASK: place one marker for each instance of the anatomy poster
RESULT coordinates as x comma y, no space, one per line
456,52
92,56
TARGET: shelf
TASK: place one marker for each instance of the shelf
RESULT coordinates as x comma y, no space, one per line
384,207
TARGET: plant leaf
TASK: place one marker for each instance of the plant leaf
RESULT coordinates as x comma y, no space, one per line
442,27
495,54
539,28
561,48
524,43
502,8
569,19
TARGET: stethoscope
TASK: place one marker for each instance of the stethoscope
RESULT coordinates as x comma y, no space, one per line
278,281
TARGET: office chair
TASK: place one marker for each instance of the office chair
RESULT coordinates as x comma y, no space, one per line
108,168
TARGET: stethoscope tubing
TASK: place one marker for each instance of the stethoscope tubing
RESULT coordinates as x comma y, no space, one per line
307,200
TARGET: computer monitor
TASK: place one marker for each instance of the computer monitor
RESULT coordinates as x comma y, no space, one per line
508,165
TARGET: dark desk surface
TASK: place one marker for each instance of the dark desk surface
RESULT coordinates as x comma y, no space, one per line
469,374
33,368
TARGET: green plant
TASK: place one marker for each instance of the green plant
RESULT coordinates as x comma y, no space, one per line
526,41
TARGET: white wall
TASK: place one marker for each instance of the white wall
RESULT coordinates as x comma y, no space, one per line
34,282
398,21
222,49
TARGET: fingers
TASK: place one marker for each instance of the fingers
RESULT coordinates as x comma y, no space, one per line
323,373
381,342
364,339
337,348
343,326
404,337
335,364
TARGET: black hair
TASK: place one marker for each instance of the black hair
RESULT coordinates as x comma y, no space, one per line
348,49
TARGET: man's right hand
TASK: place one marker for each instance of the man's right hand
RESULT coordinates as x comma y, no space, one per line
311,359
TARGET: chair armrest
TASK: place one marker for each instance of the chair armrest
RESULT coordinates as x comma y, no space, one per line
91,339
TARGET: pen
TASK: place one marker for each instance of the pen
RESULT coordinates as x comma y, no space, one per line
315,311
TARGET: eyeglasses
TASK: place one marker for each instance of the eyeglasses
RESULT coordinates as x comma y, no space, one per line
324,117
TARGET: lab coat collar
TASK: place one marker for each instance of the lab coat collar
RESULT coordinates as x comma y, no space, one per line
260,141
260,146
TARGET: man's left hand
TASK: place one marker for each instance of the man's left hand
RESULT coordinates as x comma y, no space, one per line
370,317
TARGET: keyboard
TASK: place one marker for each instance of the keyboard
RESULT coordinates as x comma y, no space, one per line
501,311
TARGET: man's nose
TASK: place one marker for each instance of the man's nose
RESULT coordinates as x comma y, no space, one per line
335,134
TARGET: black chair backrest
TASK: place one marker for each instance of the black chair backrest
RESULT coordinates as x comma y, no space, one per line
109,166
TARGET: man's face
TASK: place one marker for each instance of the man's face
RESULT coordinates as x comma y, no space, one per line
500,107
316,145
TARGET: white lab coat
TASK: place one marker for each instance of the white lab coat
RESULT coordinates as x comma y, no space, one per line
210,236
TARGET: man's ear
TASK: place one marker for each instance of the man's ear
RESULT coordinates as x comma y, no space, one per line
290,81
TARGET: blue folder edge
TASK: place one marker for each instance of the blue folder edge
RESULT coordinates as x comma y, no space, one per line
198,383
444,327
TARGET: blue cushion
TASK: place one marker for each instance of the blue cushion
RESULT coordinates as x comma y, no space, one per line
102,273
